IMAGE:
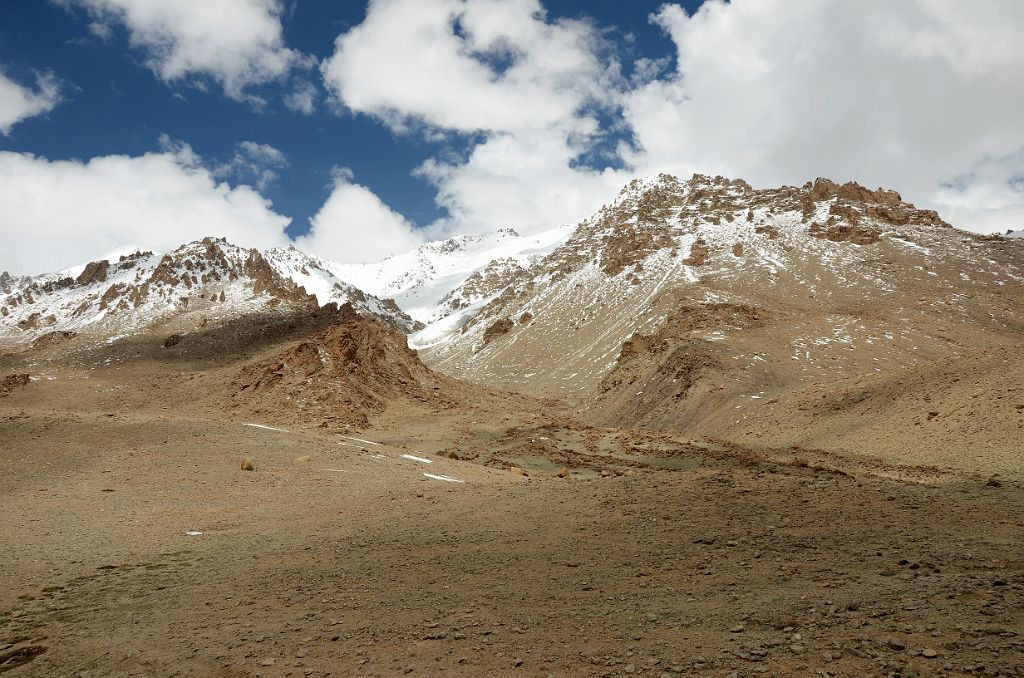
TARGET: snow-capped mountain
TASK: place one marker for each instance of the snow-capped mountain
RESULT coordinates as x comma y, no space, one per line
784,283
198,283
451,276
836,266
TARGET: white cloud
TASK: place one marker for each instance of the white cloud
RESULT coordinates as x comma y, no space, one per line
55,214
354,225
487,65
237,43
302,99
990,197
18,103
906,95
252,163
525,181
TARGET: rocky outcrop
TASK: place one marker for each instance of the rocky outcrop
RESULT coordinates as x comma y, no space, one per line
340,377
11,382
93,272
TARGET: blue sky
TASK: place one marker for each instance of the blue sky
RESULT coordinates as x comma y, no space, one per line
116,105
385,124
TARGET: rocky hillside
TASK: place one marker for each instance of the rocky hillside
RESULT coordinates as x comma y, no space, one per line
691,303
199,283
339,377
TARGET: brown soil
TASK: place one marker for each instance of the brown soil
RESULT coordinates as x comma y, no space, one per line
135,543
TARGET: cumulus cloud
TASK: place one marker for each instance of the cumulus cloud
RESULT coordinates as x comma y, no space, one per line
467,65
55,214
920,96
253,162
354,225
236,43
526,181
18,102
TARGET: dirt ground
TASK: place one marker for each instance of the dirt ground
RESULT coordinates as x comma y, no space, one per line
133,544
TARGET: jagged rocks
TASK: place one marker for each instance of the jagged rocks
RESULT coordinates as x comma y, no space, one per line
487,282
845,232
699,252
497,329
95,271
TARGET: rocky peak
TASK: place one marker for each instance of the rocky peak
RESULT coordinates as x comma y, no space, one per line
209,278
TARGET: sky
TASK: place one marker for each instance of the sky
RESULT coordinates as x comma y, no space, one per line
357,130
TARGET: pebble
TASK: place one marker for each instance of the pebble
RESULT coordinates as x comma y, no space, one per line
929,653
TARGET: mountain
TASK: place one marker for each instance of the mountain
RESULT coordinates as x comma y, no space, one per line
689,304
200,282
446,281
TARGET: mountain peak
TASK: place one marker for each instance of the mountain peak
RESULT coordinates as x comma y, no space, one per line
200,281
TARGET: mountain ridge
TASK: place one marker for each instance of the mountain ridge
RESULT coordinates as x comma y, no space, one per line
199,282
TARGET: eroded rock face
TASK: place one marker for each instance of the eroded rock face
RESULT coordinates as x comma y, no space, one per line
490,280
498,328
95,271
339,377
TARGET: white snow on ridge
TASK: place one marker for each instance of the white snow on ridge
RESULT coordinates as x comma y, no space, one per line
318,277
209,280
420,279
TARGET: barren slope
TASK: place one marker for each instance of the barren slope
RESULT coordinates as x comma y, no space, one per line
690,305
